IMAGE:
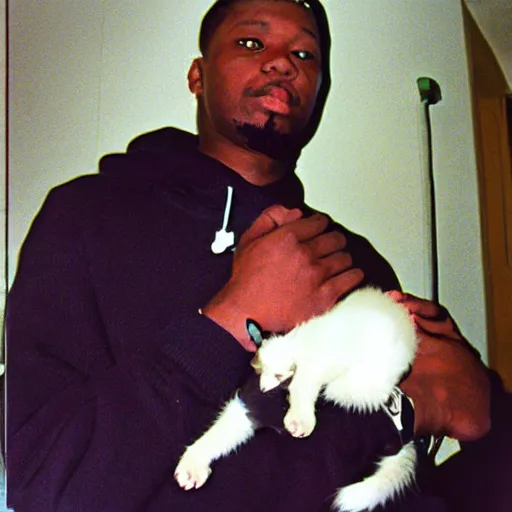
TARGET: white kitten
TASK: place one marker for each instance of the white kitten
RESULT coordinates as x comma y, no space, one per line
367,334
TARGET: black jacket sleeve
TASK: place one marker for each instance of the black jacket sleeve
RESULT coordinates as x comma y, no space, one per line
478,477
88,429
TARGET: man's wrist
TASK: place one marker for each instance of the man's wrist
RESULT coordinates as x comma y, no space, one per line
231,321
430,413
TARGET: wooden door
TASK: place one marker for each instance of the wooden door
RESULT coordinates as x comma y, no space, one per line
495,135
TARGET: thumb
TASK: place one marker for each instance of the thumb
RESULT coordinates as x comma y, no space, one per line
270,219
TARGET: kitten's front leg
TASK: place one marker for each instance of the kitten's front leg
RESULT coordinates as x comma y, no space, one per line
232,428
193,469
300,420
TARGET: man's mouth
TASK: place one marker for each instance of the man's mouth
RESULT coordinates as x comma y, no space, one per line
277,98
279,93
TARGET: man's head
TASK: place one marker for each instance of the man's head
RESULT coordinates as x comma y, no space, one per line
263,76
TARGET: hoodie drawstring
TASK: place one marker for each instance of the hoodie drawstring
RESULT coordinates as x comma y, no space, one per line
223,238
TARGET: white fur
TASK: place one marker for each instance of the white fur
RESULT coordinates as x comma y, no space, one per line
194,467
394,474
354,355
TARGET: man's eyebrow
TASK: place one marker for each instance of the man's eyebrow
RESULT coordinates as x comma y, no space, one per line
265,25
310,33
250,23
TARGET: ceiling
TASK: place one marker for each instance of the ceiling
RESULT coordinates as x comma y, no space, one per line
494,17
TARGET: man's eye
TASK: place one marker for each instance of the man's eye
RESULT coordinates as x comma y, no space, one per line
251,44
304,55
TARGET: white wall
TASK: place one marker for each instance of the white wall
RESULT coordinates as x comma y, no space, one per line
372,181
3,123
86,77
2,216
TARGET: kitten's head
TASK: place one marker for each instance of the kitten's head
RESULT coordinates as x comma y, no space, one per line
274,363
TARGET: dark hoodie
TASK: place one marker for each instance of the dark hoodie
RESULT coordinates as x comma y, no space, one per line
112,371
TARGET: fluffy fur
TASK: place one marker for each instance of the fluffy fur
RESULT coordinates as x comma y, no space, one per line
333,354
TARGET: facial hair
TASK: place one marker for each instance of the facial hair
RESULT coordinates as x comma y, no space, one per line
268,140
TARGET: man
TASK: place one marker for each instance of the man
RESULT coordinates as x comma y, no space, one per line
126,321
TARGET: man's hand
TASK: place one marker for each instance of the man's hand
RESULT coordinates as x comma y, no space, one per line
448,382
286,269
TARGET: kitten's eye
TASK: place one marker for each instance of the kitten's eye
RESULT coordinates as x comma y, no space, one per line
278,377
250,44
304,55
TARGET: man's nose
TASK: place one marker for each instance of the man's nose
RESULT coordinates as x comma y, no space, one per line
280,63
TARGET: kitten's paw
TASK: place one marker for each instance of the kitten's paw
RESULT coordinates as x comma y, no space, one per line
355,498
299,425
191,473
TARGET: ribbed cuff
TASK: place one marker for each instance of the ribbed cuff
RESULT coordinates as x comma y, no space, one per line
206,352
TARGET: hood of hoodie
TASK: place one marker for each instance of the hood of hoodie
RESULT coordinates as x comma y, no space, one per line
167,162
170,158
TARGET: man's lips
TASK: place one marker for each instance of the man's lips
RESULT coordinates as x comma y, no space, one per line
277,98
280,94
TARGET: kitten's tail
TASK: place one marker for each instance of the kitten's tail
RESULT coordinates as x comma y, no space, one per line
394,474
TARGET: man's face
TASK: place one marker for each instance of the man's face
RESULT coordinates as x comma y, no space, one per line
258,82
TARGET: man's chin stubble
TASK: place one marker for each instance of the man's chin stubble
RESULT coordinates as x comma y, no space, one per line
267,139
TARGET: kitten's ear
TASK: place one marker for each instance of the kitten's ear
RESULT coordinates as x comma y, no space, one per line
255,331
256,364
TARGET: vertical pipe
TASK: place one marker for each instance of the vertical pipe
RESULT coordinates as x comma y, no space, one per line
430,94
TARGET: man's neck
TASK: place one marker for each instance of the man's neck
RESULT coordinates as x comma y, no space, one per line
256,168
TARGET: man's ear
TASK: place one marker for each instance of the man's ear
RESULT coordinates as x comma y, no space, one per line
195,76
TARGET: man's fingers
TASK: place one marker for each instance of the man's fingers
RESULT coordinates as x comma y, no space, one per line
306,229
336,263
327,243
310,229
299,230
421,307
435,327
281,215
396,295
341,284
270,219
